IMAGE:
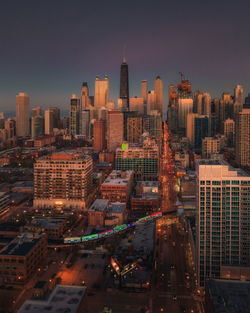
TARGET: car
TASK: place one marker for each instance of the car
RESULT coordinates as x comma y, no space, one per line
172,266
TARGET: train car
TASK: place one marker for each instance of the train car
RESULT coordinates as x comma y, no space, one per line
105,233
72,240
89,237
132,225
120,228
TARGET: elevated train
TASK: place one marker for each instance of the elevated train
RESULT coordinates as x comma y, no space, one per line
107,233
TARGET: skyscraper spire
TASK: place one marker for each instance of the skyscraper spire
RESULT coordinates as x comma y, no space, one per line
124,54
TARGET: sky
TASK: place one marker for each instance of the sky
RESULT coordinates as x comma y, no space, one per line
48,48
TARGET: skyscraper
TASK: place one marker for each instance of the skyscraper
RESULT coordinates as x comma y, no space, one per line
185,103
85,123
144,90
223,219
49,122
190,130
37,126
37,112
136,104
134,128
84,95
229,131
101,92
151,101
124,86
242,138
114,129
200,130
99,143
238,99
22,115
75,115
56,116
226,109
158,94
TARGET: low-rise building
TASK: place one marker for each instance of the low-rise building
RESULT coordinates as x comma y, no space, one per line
146,197
227,296
117,187
97,212
44,141
54,228
116,214
21,257
64,298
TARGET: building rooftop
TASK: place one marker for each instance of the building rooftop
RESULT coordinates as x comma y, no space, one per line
65,155
63,299
116,177
147,183
116,207
231,171
22,244
99,205
46,223
229,296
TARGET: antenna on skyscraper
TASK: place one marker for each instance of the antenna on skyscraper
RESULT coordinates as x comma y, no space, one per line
124,54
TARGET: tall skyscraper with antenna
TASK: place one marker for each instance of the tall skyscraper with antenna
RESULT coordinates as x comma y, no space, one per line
124,87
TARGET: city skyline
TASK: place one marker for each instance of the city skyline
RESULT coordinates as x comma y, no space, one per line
46,58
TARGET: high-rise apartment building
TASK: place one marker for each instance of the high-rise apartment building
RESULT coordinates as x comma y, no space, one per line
223,219
158,94
242,139
99,130
212,146
115,127
134,128
142,159
124,85
75,110
101,92
63,179
22,115
153,124
136,104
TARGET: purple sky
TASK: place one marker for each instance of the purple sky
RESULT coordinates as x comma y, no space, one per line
49,47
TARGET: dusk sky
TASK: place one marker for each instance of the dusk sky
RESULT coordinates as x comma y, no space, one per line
48,48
